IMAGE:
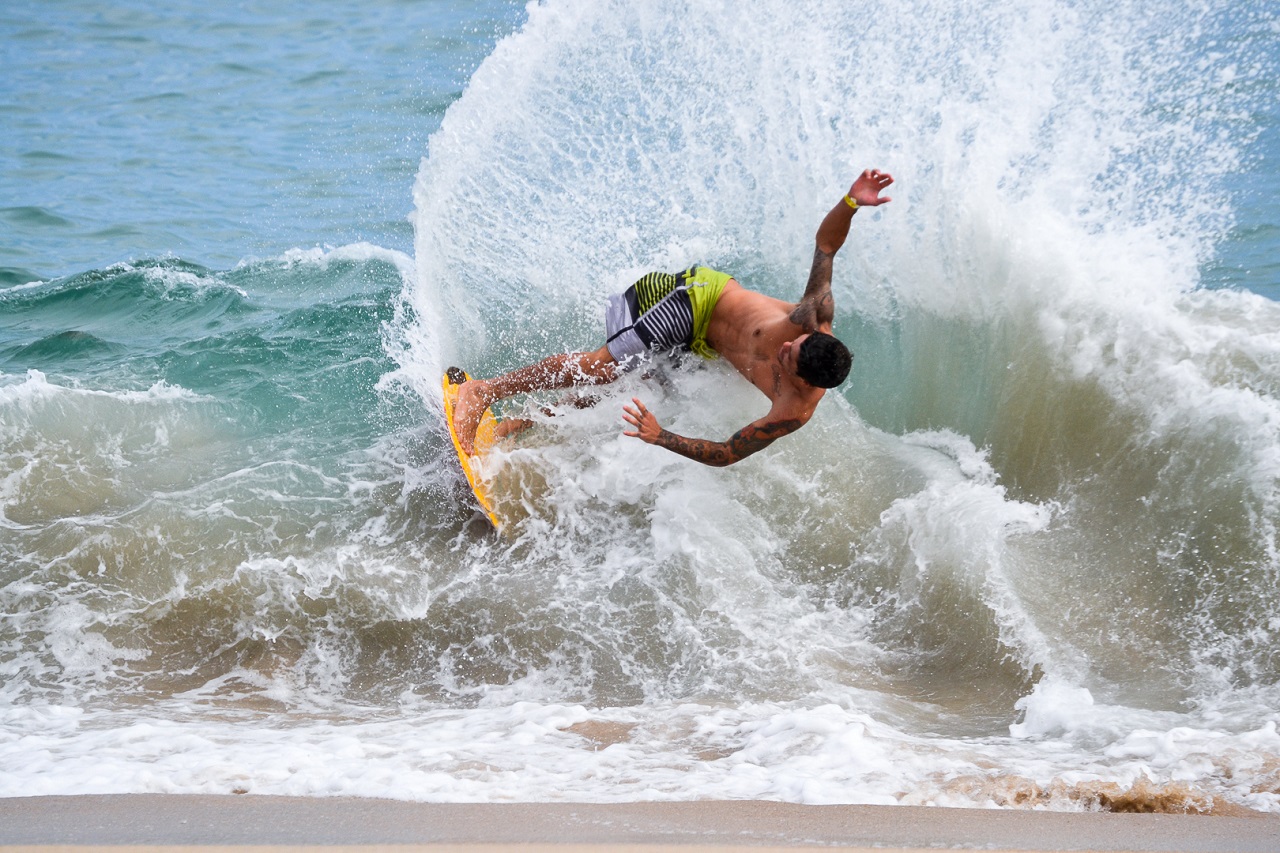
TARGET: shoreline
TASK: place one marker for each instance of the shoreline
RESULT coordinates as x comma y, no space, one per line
165,821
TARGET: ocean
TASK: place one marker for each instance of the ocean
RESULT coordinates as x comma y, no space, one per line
1026,557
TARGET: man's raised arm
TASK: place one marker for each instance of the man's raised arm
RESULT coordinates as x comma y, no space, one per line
817,307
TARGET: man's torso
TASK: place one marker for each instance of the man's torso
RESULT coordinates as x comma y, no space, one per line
748,329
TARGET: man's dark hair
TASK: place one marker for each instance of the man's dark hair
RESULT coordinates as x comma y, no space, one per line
823,362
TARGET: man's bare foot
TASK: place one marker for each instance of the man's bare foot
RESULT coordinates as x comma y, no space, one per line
511,426
468,408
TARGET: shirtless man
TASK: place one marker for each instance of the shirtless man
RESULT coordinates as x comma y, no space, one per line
783,348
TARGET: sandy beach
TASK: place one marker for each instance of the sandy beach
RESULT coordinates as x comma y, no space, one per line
147,821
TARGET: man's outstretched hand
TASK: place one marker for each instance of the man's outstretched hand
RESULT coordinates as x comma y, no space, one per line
646,425
867,188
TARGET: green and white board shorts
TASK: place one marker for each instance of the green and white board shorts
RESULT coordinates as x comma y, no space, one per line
664,311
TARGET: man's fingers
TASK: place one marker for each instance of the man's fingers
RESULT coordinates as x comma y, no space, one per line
640,418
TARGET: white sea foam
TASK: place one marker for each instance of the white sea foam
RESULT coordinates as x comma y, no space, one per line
322,256
527,751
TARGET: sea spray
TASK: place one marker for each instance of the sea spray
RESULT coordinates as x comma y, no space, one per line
1031,279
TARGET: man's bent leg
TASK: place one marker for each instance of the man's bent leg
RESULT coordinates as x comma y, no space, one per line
557,371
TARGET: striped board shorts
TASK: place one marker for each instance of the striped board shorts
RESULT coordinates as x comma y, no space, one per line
664,311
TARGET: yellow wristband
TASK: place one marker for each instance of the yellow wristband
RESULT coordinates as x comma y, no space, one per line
849,201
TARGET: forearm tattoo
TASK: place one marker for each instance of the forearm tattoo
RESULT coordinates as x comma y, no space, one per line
746,441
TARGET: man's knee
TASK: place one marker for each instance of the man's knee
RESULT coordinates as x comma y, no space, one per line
599,365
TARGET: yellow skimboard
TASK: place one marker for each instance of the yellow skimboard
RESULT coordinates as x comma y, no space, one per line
486,435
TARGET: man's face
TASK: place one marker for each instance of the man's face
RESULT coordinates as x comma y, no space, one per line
789,355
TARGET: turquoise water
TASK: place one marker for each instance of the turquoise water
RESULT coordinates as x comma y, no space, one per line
216,134
1029,552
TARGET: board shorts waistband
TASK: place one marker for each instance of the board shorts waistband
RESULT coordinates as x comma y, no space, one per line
664,311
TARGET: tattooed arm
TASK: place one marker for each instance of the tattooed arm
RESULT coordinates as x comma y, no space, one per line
753,437
817,307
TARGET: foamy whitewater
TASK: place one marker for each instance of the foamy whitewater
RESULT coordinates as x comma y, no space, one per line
1026,557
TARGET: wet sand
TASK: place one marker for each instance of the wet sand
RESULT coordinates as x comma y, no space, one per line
166,821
